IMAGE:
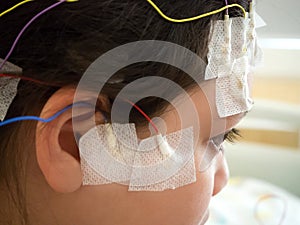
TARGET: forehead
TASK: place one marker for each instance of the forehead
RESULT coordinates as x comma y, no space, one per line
205,120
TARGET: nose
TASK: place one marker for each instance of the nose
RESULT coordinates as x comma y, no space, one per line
221,175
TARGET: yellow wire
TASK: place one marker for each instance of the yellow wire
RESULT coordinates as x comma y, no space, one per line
15,6
22,3
195,17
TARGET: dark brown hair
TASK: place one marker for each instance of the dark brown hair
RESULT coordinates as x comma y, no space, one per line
60,45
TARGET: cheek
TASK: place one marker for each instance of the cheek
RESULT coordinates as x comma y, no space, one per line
113,204
183,206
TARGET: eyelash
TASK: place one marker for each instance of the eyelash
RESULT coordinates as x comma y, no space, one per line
232,136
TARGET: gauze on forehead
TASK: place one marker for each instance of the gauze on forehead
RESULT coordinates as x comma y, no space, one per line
233,53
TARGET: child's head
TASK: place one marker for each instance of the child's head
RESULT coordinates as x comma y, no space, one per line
40,171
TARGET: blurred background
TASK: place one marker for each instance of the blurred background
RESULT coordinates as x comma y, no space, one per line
270,145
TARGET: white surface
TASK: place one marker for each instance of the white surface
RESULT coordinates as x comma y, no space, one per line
280,39
282,18
280,63
280,43
272,115
273,164
237,204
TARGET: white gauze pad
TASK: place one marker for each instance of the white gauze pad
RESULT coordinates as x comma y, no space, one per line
114,154
233,53
8,87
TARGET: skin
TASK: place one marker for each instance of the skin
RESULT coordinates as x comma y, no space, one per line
54,197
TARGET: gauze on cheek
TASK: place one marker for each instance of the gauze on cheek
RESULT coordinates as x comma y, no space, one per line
113,154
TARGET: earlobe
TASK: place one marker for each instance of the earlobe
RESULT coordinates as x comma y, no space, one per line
56,148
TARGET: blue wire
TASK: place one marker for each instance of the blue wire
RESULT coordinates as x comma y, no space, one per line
35,118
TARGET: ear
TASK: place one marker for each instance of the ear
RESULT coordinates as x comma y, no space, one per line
56,148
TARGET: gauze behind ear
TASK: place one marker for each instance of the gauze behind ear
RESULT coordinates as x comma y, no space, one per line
8,87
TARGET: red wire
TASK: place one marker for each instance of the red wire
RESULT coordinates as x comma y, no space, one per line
144,114
55,85
30,79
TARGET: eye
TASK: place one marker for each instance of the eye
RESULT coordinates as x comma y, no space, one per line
230,136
